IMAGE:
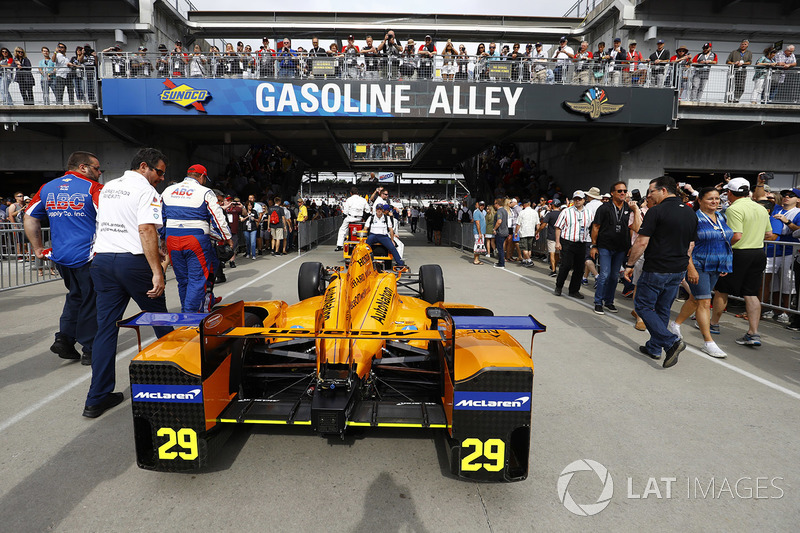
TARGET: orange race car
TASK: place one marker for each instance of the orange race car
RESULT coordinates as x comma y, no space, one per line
355,351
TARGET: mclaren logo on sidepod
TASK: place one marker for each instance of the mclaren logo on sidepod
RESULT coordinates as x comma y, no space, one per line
166,393
185,96
594,103
491,401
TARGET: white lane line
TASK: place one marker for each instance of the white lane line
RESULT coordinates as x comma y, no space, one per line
66,388
692,349
122,355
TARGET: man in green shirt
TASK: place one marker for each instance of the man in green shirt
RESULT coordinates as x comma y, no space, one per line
751,227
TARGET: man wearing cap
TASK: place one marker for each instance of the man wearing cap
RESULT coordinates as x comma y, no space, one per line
702,71
785,220
659,61
192,218
140,65
70,205
740,59
682,62
426,51
634,73
616,61
751,227
351,51
266,58
381,227
538,64
583,71
562,55
668,232
571,230
178,60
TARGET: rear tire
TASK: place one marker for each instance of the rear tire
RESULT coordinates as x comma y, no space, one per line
310,280
431,283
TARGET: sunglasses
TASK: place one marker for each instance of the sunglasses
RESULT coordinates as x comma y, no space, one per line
97,168
158,171
621,190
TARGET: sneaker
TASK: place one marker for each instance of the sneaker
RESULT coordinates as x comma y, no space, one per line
585,281
714,328
673,352
793,326
713,350
233,264
553,274
253,258
498,265
557,291
599,309
643,350
750,340
577,295
612,308
86,359
783,318
628,293
766,315
675,329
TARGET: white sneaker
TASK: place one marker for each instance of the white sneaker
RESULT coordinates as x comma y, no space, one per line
766,315
674,328
783,318
713,350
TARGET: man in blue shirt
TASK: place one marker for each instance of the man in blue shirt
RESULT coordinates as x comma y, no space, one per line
479,230
70,203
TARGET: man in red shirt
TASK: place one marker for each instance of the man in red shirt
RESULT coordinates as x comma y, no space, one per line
426,52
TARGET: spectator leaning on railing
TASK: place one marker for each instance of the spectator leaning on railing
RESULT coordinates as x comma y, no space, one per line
23,75
740,59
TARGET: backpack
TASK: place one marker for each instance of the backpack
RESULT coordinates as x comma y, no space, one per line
274,217
466,217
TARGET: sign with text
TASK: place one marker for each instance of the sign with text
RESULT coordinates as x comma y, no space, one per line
385,99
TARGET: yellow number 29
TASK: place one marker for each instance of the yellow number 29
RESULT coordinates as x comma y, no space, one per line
493,449
185,438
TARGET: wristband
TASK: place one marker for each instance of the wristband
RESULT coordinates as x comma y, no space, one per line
626,266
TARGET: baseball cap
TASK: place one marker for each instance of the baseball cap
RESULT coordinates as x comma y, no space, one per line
178,42
794,191
427,36
198,169
738,185
563,38
143,49
660,41
707,45
265,39
286,203
161,48
538,44
579,194
556,202
481,203
350,37
380,206
617,40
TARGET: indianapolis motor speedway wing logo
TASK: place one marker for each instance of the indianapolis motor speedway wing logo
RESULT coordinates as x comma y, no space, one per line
594,103
185,96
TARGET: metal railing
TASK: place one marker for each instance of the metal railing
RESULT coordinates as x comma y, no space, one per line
581,8
18,266
477,69
45,86
381,151
459,235
310,232
779,280
744,85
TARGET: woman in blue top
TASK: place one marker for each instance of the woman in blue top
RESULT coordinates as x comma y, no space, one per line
712,257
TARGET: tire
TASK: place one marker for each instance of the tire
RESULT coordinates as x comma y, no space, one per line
310,280
431,283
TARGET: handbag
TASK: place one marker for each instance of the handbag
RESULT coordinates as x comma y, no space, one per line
480,246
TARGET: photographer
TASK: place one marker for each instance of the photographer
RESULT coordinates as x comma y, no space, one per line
197,63
408,62
286,59
162,63
179,60
426,52
140,65
390,48
266,59
370,52
562,55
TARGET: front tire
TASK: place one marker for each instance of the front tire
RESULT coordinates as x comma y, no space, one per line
310,280
431,283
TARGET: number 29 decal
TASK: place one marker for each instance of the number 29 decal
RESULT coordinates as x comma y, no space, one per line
185,439
492,449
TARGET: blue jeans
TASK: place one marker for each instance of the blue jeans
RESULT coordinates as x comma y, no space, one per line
117,278
499,242
607,275
388,244
250,239
655,293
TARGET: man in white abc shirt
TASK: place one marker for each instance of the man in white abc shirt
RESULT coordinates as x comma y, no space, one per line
127,264
353,211
381,230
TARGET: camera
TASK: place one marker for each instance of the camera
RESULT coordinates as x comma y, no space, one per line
636,196
767,176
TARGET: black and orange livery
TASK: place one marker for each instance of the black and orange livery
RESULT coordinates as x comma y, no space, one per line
354,352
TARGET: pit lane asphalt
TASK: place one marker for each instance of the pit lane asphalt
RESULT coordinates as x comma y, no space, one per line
704,421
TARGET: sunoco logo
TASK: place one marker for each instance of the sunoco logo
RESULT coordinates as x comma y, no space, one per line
585,509
167,393
492,401
184,95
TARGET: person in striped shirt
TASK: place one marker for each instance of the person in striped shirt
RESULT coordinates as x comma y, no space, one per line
572,228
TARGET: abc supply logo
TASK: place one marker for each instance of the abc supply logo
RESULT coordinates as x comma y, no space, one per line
658,487
586,509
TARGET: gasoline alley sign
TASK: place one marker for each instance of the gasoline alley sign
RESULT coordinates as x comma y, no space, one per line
412,99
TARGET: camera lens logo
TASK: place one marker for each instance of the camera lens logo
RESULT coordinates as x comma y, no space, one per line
586,509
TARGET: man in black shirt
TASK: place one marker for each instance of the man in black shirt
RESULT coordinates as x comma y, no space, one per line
668,232
611,240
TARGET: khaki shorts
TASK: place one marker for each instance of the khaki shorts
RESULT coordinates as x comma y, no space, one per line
526,243
551,246
277,233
